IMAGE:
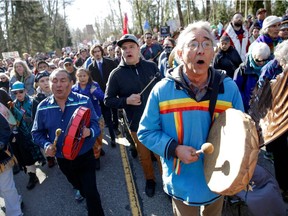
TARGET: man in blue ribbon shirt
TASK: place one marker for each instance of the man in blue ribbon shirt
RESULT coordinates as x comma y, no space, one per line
55,112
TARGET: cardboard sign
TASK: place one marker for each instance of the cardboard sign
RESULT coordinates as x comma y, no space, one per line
8,55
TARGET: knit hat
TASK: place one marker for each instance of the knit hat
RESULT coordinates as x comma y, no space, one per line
17,86
126,38
68,60
41,74
269,21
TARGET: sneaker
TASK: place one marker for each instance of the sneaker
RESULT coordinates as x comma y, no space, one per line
16,169
150,187
102,152
51,162
97,164
133,151
78,196
33,180
117,132
113,143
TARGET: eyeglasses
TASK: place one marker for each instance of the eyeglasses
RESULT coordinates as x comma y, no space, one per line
258,60
67,64
16,92
206,45
148,37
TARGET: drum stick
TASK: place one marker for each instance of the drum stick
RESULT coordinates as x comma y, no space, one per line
206,148
155,76
57,134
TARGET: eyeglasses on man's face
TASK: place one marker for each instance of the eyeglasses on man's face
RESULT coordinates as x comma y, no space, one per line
206,45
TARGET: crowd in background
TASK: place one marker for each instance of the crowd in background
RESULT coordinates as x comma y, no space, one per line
250,50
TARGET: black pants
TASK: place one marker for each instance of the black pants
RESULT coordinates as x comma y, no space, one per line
80,172
107,115
279,148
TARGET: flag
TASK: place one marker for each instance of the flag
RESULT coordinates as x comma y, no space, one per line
125,24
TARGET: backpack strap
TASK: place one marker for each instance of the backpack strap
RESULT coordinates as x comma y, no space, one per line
219,76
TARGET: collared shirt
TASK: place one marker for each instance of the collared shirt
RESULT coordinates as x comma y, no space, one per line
49,117
198,91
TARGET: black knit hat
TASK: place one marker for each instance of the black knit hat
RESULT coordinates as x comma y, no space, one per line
41,74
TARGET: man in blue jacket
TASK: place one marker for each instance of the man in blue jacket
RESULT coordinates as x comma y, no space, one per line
55,112
177,118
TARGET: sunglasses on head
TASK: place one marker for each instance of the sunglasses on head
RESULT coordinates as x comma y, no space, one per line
20,92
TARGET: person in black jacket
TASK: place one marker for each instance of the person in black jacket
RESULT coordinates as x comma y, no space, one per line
100,69
128,88
227,58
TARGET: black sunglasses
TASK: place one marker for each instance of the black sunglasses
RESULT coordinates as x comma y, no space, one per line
263,60
20,92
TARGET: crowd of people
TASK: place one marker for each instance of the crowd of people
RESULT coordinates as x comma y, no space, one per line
162,86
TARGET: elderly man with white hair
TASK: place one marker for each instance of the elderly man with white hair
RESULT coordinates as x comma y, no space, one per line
248,73
177,118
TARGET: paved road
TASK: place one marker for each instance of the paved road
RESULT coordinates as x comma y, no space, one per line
55,196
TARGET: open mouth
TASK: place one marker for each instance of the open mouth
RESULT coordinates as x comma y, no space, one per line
200,62
129,56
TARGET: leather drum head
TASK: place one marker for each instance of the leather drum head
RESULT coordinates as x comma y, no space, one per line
7,114
230,167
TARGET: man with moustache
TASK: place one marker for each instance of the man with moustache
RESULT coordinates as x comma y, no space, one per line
239,36
124,86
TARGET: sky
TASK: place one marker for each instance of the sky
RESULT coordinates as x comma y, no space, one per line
83,12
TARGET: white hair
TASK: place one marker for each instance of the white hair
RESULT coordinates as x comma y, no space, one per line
185,35
260,50
281,53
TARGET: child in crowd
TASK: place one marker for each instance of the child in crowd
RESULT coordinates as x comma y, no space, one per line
227,58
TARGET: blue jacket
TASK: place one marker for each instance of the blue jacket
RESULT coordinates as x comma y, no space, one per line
49,117
96,96
246,78
172,114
